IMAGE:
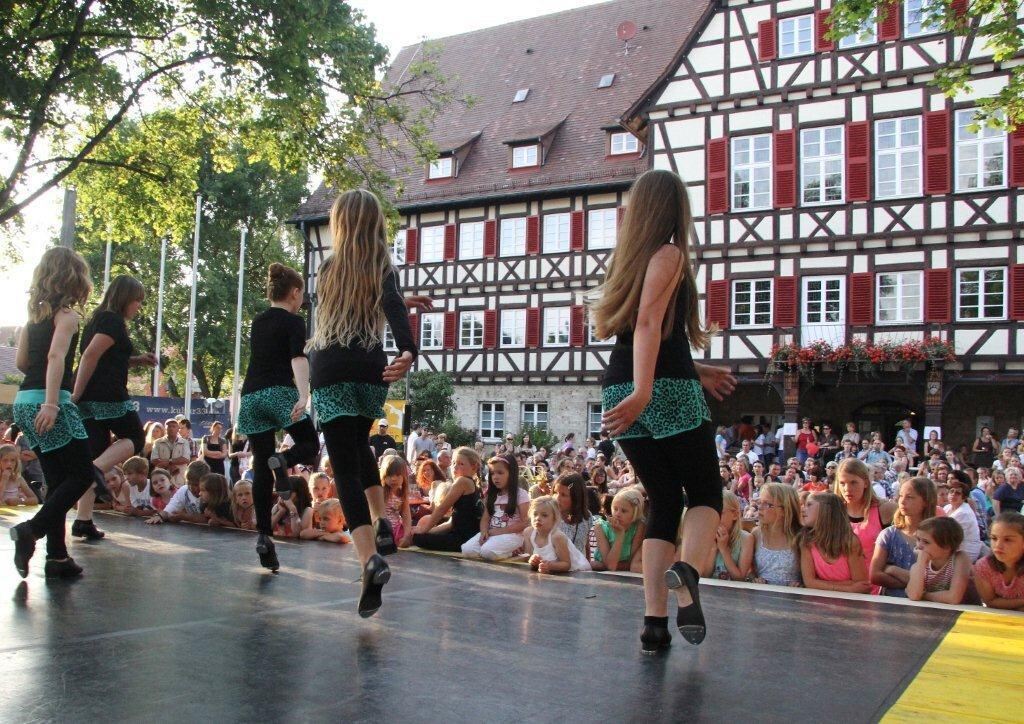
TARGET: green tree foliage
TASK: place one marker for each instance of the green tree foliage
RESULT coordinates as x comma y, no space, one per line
431,395
457,434
539,437
992,24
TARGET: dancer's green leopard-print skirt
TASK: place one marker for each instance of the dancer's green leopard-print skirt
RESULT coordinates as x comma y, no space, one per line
677,405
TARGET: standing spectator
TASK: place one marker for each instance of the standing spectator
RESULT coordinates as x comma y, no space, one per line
214,448
425,444
569,443
780,442
239,454
828,444
852,435
933,444
985,449
185,432
805,436
590,450
606,447
381,441
721,442
747,454
154,431
172,453
1012,440
1010,495
410,443
764,444
908,436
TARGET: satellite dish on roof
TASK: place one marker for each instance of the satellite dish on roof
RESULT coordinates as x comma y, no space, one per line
626,31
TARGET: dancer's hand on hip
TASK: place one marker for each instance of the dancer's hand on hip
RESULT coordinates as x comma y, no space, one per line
718,381
45,418
420,302
619,419
300,409
398,367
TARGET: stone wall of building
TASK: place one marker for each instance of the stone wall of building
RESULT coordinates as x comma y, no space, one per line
568,405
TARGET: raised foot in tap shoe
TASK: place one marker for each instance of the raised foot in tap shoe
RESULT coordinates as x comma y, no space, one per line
103,494
24,547
375,574
385,537
655,640
66,568
86,529
267,552
689,619
279,465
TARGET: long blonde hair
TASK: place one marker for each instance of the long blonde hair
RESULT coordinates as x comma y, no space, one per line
786,498
658,213
858,469
831,531
61,280
351,280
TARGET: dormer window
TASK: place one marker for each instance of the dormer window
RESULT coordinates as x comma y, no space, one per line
606,80
525,156
441,168
623,142
521,95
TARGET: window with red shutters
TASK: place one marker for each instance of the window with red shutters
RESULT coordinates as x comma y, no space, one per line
936,153
767,40
578,326
491,239
533,327
858,161
717,176
450,329
533,235
1017,292
785,302
576,230
822,25
1017,157
490,328
862,299
412,246
889,26
784,160
938,295
450,238
414,328
718,303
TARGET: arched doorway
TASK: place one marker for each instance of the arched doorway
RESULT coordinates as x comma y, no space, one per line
884,416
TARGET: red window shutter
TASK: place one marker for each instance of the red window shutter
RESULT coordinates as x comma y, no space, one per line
490,328
858,161
959,8
450,251
889,26
576,231
412,246
717,175
1017,157
577,327
936,153
785,302
718,303
491,239
862,299
821,27
620,215
533,327
784,160
450,329
938,295
1017,292
533,235
766,40
414,327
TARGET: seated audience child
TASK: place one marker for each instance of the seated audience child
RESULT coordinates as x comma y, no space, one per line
942,572
184,506
830,554
548,550
215,500
733,556
15,490
619,538
115,480
999,576
504,519
162,488
140,494
394,478
243,513
319,487
776,558
574,520
332,520
462,499
896,546
293,518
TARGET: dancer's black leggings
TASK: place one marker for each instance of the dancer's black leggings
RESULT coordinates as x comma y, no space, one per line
68,473
355,470
263,445
126,427
666,466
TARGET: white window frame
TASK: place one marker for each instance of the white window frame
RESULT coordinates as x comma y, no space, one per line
531,413
824,291
557,232
475,330
756,286
623,142
523,158
821,160
979,142
557,326
432,323
513,237
389,339
791,26
602,228
867,34
595,432
901,154
900,294
493,413
443,167
591,331
750,168
398,249
513,323
921,8
471,240
431,244
982,282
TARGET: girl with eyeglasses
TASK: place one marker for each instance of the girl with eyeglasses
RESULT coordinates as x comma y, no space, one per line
776,559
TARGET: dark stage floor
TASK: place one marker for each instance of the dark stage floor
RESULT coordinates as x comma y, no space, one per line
178,623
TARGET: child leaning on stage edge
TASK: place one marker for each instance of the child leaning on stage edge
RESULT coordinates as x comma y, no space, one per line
830,554
118,487
733,556
999,576
162,488
501,531
394,476
293,518
320,487
216,500
243,511
332,521
15,490
619,538
942,573
140,494
185,505
548,550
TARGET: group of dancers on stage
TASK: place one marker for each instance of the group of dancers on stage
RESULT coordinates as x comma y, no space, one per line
83,424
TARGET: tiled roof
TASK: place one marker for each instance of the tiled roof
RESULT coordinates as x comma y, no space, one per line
560,58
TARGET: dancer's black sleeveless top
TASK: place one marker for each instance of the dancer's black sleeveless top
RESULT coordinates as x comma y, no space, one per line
109,381
40,335
276,337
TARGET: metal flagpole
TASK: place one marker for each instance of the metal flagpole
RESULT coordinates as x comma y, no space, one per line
106,268
159,316
192,309
237,387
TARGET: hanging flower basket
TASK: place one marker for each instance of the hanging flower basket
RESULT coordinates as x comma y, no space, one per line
859,358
